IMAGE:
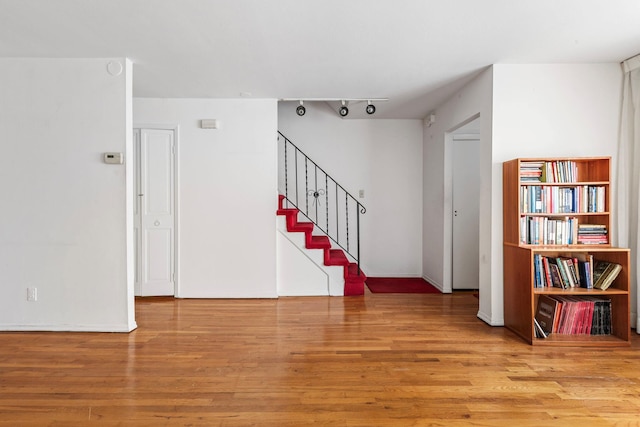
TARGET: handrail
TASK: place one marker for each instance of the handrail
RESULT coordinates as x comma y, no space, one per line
335,221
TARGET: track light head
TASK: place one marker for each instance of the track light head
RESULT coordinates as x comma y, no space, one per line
343,110
300,110
370,108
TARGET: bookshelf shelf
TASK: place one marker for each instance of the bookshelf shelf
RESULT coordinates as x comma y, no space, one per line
524,230
581,341
580,291
564,184
554,214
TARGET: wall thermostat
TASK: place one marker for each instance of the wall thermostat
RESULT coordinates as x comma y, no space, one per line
113,158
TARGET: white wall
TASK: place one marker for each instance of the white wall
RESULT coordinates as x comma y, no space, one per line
552,110
65,217
525,111
381,157
227,194
472,101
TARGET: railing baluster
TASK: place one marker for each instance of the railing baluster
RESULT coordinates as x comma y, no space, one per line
315,199
306,185
326,201
358,235
337,216
286,176
297,191
346,207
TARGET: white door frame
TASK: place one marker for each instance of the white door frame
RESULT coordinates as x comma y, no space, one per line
447,276
176,191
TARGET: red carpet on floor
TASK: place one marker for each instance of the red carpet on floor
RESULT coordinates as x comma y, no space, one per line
401,285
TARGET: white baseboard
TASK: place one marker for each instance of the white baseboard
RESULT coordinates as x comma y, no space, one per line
68,328
487,319
436,284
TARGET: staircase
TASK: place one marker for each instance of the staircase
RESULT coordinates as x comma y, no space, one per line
354,278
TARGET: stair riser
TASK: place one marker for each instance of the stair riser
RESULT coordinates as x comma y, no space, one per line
352,289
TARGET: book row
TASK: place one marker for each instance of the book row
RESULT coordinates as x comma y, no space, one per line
547,199
572,315
578,270
554,171
541,230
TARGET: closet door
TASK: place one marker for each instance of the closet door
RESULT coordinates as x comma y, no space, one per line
155,212
466,213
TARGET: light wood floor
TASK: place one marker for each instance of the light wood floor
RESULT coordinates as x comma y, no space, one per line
377,360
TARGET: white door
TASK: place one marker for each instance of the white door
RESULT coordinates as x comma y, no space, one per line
466,209
155,212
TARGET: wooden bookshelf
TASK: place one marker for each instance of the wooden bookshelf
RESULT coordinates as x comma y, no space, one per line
520,294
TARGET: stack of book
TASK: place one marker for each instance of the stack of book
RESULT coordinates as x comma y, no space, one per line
531,171
592,234
572,315
579,270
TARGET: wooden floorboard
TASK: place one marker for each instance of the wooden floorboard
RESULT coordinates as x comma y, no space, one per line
372,360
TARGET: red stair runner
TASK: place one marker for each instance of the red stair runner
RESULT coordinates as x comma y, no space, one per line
353,282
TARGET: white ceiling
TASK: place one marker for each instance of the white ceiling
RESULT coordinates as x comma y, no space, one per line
414,52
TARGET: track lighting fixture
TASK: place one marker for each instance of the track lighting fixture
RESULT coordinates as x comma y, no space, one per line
300,110
343,110
370,108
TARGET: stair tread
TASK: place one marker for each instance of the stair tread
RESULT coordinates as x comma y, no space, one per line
336,257
287,211
300,226
304,223
318,242
351,273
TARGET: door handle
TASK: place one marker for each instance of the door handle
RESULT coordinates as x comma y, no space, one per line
157,223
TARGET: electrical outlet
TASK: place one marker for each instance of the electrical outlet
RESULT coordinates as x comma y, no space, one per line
361,194
32,294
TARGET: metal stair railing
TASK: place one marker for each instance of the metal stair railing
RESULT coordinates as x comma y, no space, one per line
303,181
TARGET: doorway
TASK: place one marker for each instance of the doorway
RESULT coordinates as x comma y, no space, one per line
155,211
465,199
